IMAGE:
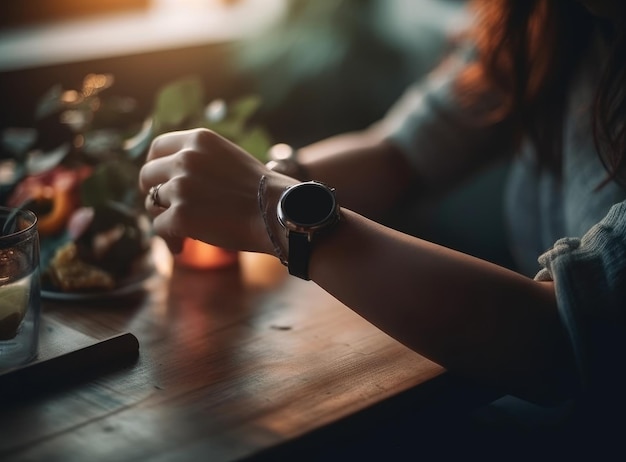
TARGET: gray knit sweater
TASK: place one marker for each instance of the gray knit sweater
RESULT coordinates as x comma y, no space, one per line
560,229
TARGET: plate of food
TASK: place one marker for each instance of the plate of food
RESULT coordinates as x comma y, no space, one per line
108,258
83,282
123,289
70,279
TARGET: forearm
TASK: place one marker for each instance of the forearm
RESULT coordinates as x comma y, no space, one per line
370,174
473,317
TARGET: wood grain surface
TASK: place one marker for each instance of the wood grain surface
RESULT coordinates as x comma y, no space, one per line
231,362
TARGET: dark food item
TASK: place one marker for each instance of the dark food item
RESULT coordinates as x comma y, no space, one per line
109,249
70,274
115,239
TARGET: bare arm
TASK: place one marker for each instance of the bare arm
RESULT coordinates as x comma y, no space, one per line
471,316
371,174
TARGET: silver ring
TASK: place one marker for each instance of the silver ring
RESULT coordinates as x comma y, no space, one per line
154,195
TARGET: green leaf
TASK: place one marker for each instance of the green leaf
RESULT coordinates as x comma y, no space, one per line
242,109
226,128
49,103
101,145
38,161
17,141
179,104
257,142
137,145
111,181
235,126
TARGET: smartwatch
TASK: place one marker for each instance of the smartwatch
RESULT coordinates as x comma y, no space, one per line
305,210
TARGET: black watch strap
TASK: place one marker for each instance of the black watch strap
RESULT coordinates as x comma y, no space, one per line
299,254
306,210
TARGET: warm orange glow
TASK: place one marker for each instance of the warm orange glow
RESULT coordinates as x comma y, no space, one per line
42,11
261,270
198,255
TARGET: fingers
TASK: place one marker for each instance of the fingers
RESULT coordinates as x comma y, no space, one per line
155,172
159,163
167,159
155,208
166,165
153,198
162,160
169,143
161,228
201,185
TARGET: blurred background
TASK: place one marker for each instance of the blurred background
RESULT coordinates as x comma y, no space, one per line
320,67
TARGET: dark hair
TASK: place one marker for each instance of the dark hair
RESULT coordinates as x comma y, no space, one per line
528,51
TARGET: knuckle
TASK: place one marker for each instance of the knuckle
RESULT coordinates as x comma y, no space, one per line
142,180
180,187
188,159
203,137
157,141
207,141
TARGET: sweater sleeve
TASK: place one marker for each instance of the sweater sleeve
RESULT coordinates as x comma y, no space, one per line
589,274
444,134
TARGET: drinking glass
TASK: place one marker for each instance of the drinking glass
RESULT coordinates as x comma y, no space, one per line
20,309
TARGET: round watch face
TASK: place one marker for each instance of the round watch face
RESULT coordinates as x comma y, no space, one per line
308,204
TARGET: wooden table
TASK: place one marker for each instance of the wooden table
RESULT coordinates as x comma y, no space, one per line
233,363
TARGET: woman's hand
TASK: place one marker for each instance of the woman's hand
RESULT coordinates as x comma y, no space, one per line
208,191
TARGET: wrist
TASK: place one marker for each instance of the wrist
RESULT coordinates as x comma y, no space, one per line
269,192
306,211
295,215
